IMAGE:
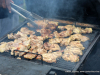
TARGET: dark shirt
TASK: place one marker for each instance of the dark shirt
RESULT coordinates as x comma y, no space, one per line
3,13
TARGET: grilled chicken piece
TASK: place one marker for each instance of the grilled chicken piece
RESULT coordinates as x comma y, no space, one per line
73,49
61,27
25,30
34,51
45,23
37,37
22,53
19,53
83,31
36,44
46,36
44,31
77,30
50,51
79,37
88,30
51,57
53,23
55,40
41,51
41,22
65,33
77,44
84,38
62,34
46,46
30,25
29,56
56,34
69,27
70,57
3,47
19,58
75,37
10,36
16,53
53,47
51,26
14,36
65,41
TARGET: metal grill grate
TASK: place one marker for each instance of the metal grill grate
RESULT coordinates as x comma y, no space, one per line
60,62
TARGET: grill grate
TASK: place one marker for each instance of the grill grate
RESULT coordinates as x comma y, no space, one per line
60,62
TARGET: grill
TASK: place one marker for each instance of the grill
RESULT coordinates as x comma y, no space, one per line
60,64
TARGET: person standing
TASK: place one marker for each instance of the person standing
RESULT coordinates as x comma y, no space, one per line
8,19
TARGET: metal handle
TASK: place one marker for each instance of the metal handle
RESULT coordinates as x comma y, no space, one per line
29,13
33,23
21,8
18,13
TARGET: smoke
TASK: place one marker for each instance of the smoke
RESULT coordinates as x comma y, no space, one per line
51,8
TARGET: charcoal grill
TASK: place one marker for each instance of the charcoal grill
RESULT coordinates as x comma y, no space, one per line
60,64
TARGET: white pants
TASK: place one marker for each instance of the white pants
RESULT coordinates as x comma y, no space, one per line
7,24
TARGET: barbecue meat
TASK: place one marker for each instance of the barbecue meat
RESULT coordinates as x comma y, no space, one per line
29,56
65,33
69,27
65,41
61,27
56,34
77,30
62,34
22,53
34,37
20,34
44,31
10,36
30,25
25,30
84,38
41,22
45,23
75,37
77,44
55,40
53,23
70,57
51,57
88,30
74,50
19,53
41,51
53,47
79,37
3,47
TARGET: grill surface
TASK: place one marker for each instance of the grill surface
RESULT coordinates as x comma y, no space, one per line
60,62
